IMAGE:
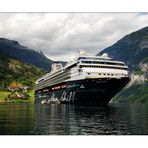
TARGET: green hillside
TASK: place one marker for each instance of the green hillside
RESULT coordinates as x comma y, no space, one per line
135,93
19,77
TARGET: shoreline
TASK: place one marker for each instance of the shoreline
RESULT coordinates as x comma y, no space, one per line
5,99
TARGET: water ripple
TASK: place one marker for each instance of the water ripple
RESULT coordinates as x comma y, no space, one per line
60,119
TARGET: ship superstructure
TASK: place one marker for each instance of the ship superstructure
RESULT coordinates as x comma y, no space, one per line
85,80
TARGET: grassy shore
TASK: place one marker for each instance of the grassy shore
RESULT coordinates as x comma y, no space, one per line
31,94
4,97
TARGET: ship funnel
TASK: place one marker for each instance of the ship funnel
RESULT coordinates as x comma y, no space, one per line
55,67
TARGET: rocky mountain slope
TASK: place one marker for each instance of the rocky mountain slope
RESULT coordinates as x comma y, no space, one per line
133,50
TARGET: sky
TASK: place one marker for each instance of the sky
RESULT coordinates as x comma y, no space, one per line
60,35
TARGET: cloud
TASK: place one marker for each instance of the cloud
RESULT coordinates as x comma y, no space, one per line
58,35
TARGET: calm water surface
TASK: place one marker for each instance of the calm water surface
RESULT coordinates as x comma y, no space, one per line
60,119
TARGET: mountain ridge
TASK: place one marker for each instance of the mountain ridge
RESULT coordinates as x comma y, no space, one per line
13,49
131,49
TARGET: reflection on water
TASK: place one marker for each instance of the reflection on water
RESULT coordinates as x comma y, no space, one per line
62,119
16,119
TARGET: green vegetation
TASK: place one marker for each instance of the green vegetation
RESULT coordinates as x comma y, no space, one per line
4,95
133,94
26,74
17,96
31,96
138,71
17,80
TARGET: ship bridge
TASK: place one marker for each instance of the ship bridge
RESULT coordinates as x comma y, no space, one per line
98,67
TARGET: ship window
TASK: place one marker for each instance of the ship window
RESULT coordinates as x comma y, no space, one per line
89,62
96,66
102,62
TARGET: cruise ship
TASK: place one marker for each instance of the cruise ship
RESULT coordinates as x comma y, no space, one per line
84,80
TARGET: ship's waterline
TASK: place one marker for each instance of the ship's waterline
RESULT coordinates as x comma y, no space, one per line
85,80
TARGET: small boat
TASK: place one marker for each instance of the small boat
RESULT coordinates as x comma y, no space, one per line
43,102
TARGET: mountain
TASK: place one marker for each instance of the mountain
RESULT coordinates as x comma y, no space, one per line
13,49
133,50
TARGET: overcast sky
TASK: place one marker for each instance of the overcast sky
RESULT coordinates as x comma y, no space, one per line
59,35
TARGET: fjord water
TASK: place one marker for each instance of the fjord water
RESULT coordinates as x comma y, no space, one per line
62,119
